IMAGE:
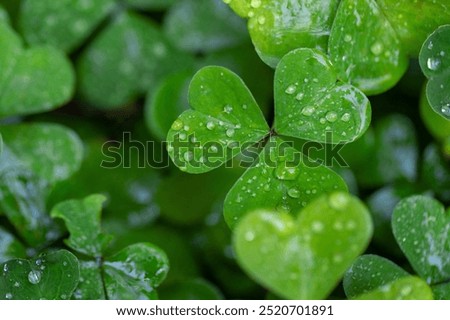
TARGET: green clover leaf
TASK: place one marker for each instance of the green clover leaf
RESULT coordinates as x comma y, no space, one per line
370,272
407,288
311,101
277,27
64,24
303,257
35,157
224,113
44,73
435,63
422,227
282,180
51,276
126,59
132,273
203,26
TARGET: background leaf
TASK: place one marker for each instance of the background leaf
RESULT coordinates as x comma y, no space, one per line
365,48
44,73
50,150
64,24
421,227
369,272
203,26
126,59
50,276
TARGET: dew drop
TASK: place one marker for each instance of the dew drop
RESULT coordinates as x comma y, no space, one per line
291,89
308,111
244,106
5,268
282,172
317,226
346,117
294,193
228,109
406,290
230,133
338,201
213,149
182,136
347,38
331,116
262,20
210,125
249,236
177,124
300,96
433,63
255,3
34,276
186,128
8,296
376,48
446,109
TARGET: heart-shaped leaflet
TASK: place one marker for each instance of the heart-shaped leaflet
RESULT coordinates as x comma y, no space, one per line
303,258
44,73
224,120
422,229
310,100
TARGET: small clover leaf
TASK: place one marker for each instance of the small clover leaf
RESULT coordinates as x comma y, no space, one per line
22,200
132,273
44,73
303,257
407,288
435,63
422,228
365,48
224,119
53,275
64,23
82,219
282,180
277,27
370,272
311,101
413,28
438,126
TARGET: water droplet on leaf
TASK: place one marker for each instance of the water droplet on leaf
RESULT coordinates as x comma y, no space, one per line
177,124
34,276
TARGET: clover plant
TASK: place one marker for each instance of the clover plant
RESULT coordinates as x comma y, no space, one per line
224,149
